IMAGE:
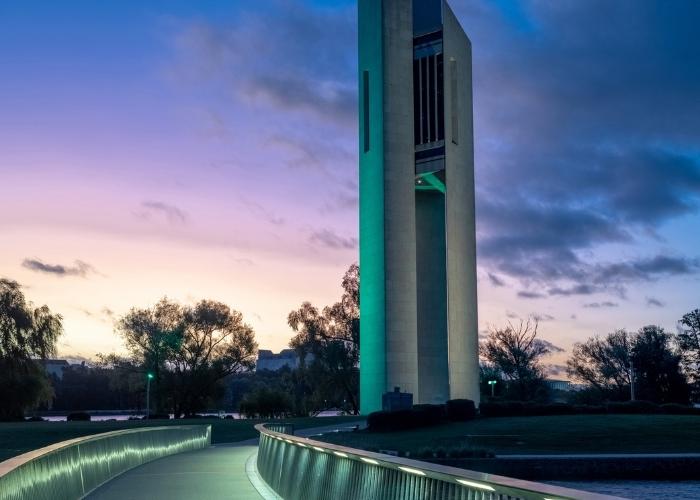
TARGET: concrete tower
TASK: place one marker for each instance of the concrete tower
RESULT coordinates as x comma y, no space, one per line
417,231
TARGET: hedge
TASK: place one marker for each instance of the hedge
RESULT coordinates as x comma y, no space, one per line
521,409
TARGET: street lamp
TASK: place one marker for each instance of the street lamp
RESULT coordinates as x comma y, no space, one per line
492,383
149,376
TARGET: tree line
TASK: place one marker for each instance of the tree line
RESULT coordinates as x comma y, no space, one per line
650,364
202,356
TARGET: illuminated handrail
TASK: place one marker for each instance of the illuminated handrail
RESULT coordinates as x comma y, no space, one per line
71,469
305,469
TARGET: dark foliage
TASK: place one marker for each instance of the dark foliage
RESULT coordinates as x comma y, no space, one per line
78,416
459,410
521,409
401,420
266,403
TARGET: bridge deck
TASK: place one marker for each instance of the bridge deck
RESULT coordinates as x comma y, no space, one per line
216,472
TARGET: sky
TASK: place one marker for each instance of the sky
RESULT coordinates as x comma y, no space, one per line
208,149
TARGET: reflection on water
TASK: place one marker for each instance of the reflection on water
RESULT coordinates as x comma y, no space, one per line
99,417
638,490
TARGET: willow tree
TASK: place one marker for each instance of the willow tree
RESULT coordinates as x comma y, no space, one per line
26,335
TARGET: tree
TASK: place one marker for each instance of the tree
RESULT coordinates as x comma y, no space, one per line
216,343
604,363
190,350
266,403
26,333
608,364
153,336
516,352
328,345
688,340
657,368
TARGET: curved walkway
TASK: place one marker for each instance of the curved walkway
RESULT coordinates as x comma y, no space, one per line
217,472
213,473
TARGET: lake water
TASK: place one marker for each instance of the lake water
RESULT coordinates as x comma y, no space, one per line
638,490
98,417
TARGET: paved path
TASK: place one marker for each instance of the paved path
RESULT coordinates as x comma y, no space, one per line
218,472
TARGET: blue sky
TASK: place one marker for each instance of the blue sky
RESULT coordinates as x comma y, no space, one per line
208,149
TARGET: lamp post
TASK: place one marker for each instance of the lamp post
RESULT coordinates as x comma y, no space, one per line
149,376
492,383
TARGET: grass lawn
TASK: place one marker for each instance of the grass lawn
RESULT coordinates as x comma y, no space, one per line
20,437
544,435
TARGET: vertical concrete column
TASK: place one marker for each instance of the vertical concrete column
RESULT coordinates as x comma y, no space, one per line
463,339
399,199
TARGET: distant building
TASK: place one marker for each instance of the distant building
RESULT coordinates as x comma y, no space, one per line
267,360
563,385
54,367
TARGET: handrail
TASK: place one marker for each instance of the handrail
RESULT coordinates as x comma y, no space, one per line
305,469
71,469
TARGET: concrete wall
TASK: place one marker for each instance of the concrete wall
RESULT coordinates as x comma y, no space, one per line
433,381
399,199
463,340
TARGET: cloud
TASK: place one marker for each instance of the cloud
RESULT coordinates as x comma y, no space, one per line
329,239
553,370
600,305
608,154
552,348
152,209
260,211
298,58
652,302
526,294
80,268
581,289
542,317
495,280
586,135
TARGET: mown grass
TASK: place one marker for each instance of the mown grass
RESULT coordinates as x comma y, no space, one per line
20,437
543,435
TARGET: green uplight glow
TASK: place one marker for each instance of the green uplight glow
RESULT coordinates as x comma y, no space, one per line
475,485
149,375
341,454
372,294
369,461
319,449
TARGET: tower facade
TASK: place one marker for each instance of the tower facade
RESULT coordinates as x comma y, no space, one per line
418,307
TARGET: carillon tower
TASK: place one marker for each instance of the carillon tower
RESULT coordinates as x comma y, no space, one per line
418,307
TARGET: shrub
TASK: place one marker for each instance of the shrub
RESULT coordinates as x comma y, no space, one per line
502,409
634,407
78,416
459,410
679,409
401,420
159,416
34,419
427,415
